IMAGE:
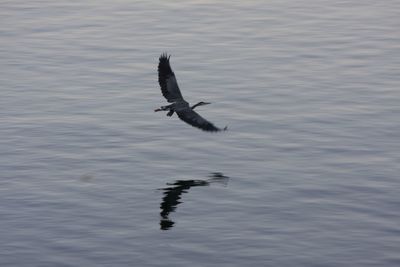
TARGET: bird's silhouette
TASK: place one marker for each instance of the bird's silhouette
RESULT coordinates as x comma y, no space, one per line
173,194
170,90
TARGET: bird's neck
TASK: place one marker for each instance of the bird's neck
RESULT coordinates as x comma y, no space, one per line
195,105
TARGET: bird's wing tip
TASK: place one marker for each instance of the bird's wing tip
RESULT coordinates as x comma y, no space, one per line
216,130
165,55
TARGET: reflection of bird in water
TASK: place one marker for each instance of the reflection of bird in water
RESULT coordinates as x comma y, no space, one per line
170,90
171,198
172,195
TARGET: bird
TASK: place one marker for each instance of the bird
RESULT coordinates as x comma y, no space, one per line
170,90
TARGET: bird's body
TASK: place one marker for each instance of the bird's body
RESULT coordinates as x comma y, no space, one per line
170,90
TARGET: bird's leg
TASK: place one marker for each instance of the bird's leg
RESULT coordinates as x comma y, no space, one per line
164,108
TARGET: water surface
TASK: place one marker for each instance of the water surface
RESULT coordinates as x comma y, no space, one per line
309,166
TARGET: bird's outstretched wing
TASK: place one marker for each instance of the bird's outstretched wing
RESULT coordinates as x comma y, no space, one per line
193,118
167,80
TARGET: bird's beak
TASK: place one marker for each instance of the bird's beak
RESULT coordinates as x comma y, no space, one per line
206,103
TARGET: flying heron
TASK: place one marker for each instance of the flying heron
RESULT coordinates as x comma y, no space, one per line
170,90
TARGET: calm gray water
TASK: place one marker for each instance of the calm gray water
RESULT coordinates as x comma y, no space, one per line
307,175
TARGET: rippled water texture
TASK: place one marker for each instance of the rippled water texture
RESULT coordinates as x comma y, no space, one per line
306,175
